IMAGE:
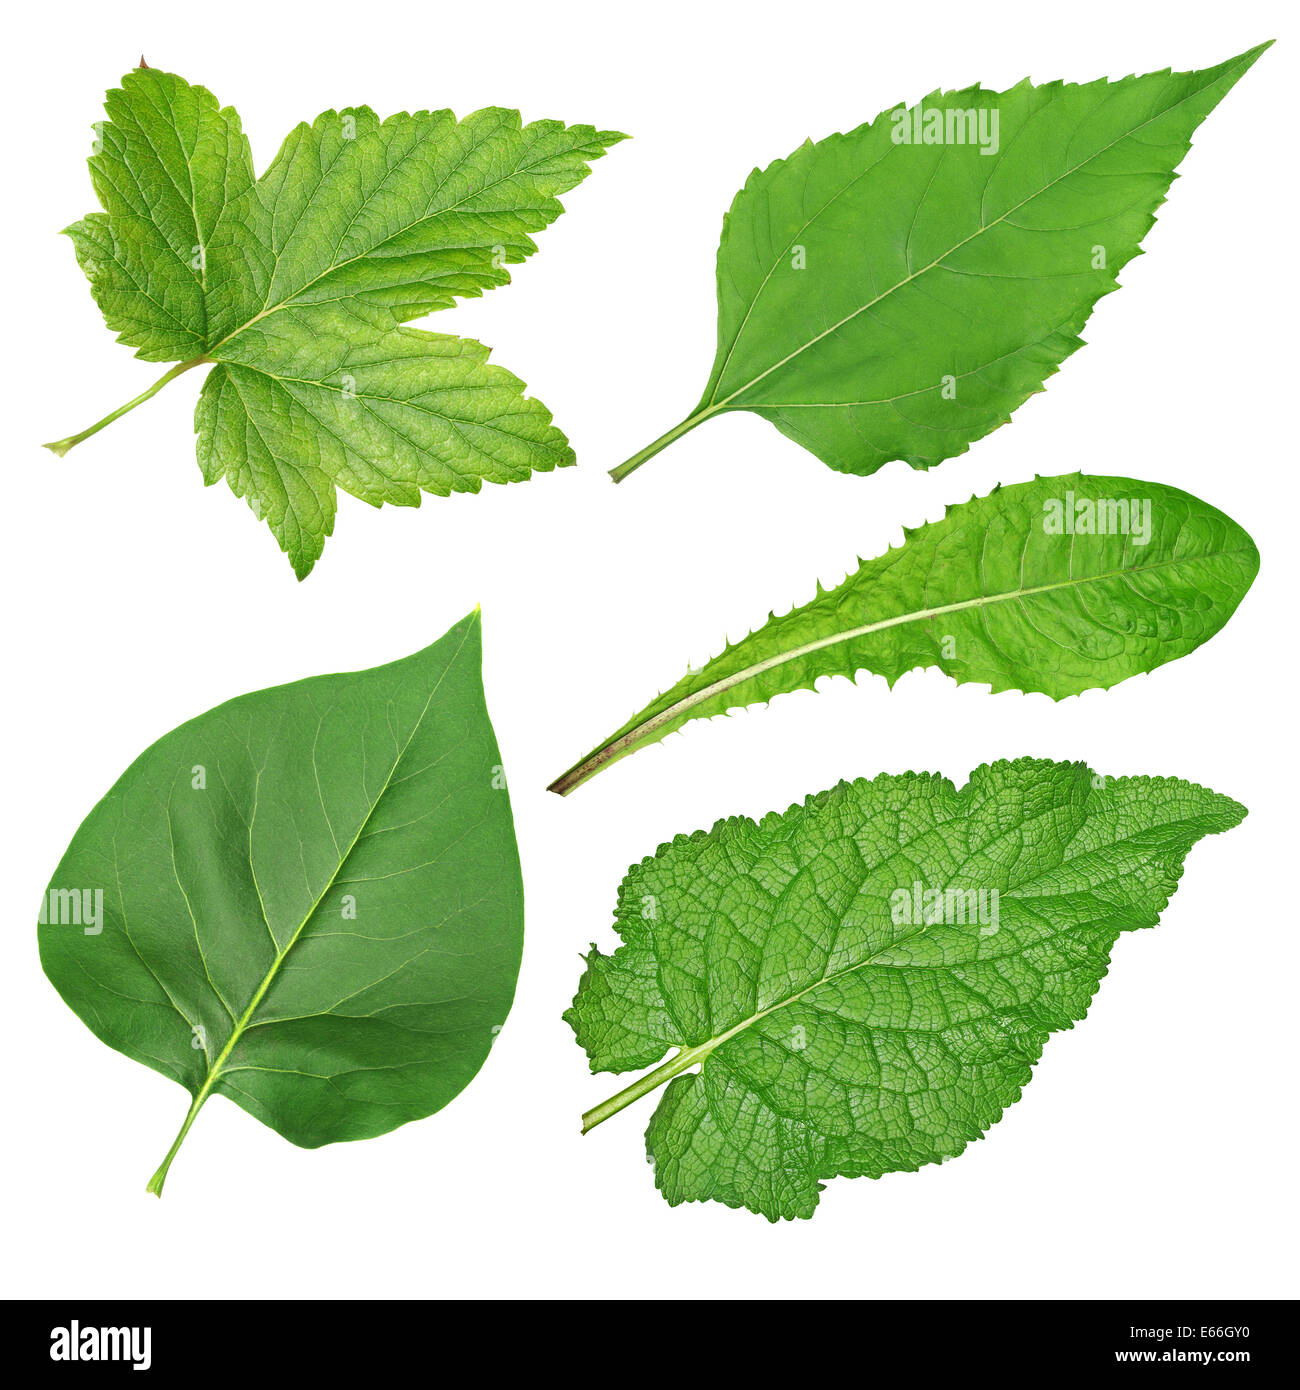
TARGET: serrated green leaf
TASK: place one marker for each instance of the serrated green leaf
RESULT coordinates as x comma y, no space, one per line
844,1020
307,900
296,285
384,412
1057,586
883,296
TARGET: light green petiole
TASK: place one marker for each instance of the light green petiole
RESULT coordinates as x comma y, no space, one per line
62,446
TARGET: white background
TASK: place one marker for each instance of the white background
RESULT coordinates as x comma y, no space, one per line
1154,1153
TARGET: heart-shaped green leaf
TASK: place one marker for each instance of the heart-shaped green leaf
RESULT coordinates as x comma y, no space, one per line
307,900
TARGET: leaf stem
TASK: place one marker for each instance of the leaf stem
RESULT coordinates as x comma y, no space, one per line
687,1057
155,1183
62,446
592,764
664,440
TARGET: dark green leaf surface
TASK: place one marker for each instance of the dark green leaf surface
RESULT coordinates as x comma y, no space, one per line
884,299
1057,586
834,1039
311,899
296,285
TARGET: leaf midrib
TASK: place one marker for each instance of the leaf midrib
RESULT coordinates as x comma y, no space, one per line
688,1056
217,1068
725,683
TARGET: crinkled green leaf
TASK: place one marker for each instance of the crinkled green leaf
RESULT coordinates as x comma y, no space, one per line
1057,586
296,284
842,1026
307,900
882,297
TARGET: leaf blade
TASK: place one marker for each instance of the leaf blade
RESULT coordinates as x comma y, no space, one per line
330,396
931,290
408,213
329,930
357,226
989,595
169,162
835,1038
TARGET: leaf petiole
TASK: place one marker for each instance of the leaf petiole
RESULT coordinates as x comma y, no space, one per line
62,446
155,1183
664,440
651,1081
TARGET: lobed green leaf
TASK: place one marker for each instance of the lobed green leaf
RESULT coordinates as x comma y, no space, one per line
297,285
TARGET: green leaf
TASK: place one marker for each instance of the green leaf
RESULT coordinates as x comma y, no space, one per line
866,981
1056,586
882,297
296,285
307,900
